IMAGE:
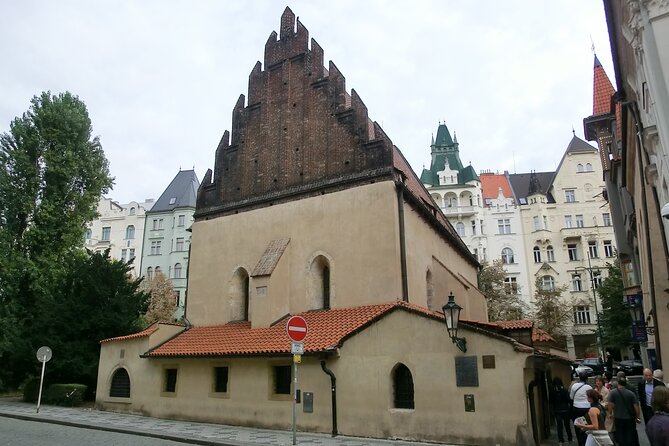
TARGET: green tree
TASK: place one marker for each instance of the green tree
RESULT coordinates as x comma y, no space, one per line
504,302
551,312
162,302
51,176
98,299
615,320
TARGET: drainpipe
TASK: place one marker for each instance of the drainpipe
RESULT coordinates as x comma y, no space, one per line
644,206
533,409
333,387
403,251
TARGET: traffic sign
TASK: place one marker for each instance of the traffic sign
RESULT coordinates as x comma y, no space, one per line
296,328
44,354
297,348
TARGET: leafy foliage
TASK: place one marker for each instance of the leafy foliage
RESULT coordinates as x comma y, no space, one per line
52,174
552,312
504,303
162,303
615,321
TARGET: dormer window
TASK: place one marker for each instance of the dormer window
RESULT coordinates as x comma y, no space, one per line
173,200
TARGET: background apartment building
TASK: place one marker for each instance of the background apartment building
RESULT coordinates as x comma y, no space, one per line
119,227
167,235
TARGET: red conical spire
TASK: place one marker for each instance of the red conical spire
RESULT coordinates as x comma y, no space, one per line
602,91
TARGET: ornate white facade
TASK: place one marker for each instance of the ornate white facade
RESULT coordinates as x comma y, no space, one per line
119,227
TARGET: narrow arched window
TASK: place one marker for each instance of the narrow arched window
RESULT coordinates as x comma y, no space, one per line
550,254
429,284
579,167
588,167
177,271
537,254
402,388
149,273
507,256
120,384
132,211
130,232
239,295
320,283
460,228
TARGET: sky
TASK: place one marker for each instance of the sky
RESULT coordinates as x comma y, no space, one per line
160,77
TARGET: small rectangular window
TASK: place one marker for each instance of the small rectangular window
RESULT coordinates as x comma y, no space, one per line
573,252
282,377
220,379
570,196
579,221
106,233
182,220
170,380
608,248
537,224
180,244
606,218
592,250
567,221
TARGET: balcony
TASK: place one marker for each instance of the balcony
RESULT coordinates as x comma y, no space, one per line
460,210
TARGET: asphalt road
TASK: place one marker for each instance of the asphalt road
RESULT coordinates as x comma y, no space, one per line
21,433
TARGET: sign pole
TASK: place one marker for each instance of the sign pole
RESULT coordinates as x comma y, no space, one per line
296,329
41,381
294,400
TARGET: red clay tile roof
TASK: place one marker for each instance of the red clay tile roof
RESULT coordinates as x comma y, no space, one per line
515,325
602,92
146,332
539,335
491,182
328,329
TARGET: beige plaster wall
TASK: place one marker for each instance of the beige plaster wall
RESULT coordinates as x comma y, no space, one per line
451,272
364,387
356,229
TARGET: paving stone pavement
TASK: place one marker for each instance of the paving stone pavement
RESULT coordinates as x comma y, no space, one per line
184,431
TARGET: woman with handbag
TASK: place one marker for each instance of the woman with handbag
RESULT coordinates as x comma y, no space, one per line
594,418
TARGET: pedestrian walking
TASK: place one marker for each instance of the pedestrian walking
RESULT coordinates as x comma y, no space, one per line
580,404
657,428
645,391
624,406
594,419
561,405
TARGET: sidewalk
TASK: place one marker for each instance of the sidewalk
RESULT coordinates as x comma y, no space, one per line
184,431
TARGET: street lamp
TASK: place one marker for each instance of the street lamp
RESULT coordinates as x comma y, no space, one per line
598,335
452,315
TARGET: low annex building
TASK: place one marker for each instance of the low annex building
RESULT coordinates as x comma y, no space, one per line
311,210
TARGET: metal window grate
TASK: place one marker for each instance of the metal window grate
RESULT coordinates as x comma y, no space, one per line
120,384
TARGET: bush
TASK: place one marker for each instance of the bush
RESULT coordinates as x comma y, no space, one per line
31,390
65,394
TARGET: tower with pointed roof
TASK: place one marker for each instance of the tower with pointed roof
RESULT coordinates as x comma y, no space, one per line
456,189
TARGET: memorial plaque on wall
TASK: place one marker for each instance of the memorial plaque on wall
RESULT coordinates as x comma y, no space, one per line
488,361
470,404
466,371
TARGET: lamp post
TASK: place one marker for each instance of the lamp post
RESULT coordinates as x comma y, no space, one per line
594,298
452,316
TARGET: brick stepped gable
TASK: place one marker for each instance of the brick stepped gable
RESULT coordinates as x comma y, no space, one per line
300,134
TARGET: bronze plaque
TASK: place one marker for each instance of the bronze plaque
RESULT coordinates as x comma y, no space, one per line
466,371
488,361
470,404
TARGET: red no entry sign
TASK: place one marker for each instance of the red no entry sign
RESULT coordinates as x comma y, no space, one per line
296,328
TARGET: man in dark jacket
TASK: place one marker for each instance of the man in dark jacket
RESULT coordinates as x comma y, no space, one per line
645,391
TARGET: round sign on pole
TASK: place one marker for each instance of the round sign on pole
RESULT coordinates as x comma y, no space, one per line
44,354
296,328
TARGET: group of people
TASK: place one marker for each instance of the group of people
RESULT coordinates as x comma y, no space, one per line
614,406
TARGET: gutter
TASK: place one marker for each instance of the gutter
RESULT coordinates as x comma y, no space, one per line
333,388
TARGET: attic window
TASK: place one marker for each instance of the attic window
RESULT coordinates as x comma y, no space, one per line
173,200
